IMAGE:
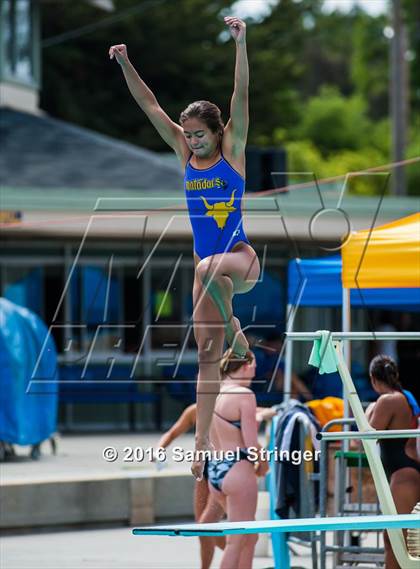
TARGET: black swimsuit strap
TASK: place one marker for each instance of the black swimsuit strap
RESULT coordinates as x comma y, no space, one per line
227,420
189,160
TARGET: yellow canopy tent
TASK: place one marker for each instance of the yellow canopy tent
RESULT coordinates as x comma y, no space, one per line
386,257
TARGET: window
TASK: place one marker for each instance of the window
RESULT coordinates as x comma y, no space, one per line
38,289
95,301
23,286
166,308
17,23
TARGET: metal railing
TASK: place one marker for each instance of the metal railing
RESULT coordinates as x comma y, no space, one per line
391,434
307,336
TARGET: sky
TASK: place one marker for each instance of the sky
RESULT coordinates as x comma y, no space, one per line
373,7
260,7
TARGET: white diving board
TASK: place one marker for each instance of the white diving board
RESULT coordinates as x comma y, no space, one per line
359,523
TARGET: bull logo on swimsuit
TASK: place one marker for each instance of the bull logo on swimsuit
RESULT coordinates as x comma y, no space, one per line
220,211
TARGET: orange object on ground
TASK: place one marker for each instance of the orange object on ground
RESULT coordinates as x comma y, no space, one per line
327,409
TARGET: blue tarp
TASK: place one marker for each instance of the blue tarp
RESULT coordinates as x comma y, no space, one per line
28,414
317,282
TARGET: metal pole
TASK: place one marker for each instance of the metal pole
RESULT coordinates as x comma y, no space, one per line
287,387
398,96
346,327
311,336
390,434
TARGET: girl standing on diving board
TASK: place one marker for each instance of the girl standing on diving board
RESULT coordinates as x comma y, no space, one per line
213,157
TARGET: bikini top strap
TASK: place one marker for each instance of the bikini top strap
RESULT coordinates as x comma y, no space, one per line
221,416
234,422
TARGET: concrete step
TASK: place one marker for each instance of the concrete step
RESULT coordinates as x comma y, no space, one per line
134,498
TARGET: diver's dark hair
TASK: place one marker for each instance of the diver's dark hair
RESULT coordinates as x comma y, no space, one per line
207,112
384,369
231,363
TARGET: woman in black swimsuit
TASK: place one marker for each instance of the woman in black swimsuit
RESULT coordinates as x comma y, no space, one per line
395,409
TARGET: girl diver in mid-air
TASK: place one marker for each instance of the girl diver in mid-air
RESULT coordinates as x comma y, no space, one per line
213,156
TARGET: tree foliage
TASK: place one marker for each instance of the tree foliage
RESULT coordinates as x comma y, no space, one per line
175,46
319,81
411,16
334,122
370,63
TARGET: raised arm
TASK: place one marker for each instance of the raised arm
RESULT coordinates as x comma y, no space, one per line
184,423
171,132
237,127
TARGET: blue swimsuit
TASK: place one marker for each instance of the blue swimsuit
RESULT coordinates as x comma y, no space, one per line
217,469
214,197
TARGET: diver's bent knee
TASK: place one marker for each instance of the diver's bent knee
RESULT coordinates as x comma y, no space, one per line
204,269
209,271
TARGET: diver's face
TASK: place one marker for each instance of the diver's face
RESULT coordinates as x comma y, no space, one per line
202,141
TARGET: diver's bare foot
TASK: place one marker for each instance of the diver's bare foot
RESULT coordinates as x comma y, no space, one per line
236,338
197,467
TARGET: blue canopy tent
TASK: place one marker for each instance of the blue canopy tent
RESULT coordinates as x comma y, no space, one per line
317,283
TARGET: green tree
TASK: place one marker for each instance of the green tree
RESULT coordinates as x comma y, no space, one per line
334,122
277,68
176,47
180,50
337,137
327,53
370,63
411,14
318,81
